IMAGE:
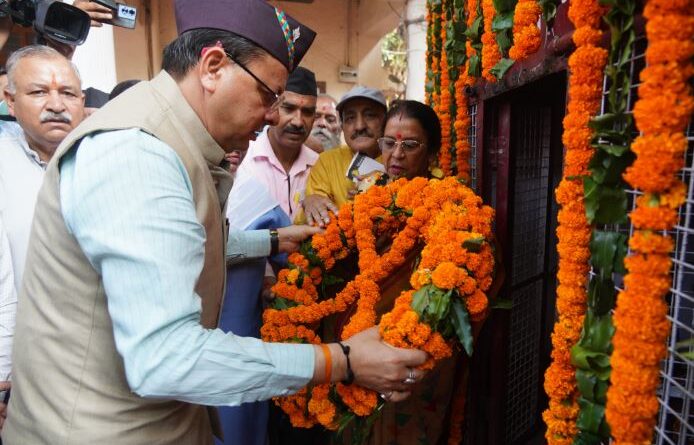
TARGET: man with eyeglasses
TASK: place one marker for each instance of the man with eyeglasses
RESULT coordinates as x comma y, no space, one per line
116,339
362,113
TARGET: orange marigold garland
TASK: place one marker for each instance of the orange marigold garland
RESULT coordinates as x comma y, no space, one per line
444,106
586,67
661,114
490,49
461,126
457,263
526,35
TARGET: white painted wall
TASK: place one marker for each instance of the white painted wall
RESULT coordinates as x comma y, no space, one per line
416,49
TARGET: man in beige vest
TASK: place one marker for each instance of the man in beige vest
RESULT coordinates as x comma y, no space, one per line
115,340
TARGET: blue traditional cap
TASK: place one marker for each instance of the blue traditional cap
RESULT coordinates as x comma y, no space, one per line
281,36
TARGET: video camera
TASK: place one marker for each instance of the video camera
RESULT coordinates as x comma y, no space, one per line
59,21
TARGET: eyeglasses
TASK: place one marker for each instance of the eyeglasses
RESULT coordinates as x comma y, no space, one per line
271,97
407,145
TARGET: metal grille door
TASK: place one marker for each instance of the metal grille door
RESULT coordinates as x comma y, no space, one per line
530,145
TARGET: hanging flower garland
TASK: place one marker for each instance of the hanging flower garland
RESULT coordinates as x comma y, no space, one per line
473,44
662,112
491,54
586,67
526,34
454,271
461,126
444,106
429,55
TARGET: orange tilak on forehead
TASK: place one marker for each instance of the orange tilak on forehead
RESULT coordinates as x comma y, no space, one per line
54,82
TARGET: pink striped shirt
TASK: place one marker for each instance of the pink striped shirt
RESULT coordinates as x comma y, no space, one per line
287,188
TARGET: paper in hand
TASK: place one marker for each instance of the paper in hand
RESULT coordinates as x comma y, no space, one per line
363,165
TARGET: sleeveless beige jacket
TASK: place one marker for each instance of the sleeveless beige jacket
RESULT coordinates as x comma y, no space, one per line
69,384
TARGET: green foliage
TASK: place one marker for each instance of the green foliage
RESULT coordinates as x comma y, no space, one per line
605,203
502,25
474,34
549,9
501,67
463,329
394,56
445,312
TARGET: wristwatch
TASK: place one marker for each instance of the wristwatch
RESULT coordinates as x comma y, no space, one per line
274,242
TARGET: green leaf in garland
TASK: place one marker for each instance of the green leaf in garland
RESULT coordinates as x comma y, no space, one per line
504,6
505,40
586,383
600,335
501,67
601,294
331,280
590,199
603,247
420,300
474,30
475,69
620,255
612,207
502,22
549,9
594,361
589,420
282,304
461,322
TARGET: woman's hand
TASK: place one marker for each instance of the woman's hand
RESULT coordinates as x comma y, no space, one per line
317,209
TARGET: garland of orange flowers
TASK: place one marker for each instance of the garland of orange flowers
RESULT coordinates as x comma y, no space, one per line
429,52
490,49
461,126
446,217
471,14
661,114
526,35
444,107
586,67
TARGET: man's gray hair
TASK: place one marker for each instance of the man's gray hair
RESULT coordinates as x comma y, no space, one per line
42,51
328,96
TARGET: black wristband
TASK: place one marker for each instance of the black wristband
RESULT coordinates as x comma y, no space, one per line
350,374
274,242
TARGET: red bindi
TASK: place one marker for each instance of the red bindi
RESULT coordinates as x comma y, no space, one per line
398,136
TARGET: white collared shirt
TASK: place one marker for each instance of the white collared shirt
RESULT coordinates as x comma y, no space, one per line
8,306
21,176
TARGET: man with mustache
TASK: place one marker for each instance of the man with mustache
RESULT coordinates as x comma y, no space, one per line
274,170
44,95
326,126
278,158
362,113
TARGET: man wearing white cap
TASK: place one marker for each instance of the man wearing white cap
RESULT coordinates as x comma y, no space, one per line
362,113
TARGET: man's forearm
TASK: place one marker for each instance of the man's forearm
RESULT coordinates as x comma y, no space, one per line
247,244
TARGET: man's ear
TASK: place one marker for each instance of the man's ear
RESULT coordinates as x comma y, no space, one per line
9,99
212,61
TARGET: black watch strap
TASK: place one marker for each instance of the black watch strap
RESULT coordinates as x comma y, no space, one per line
350,374
274,242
